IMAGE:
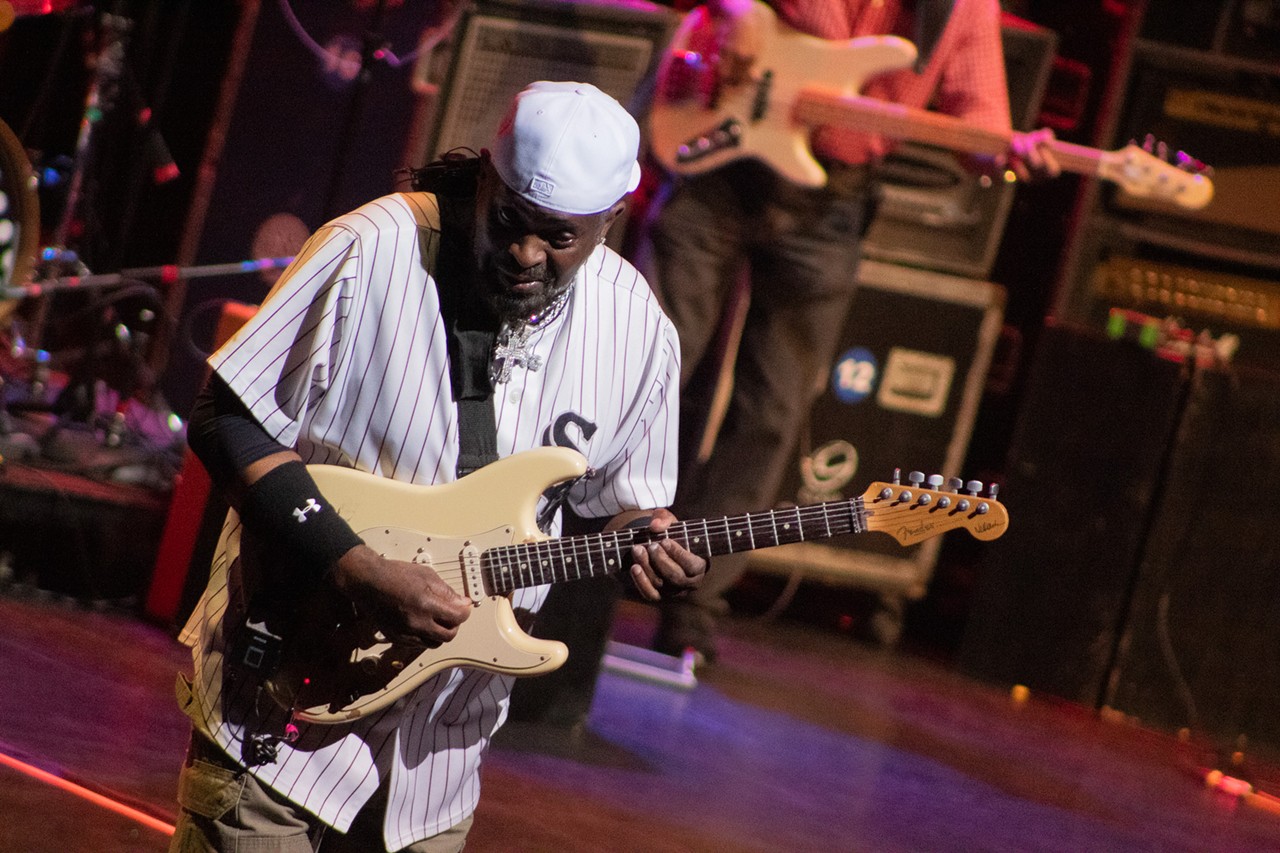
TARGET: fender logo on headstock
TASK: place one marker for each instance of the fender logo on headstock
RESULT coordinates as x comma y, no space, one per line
911,512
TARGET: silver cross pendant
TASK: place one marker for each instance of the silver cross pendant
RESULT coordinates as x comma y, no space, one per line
511,351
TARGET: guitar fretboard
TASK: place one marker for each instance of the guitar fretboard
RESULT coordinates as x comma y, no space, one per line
511,567
817,106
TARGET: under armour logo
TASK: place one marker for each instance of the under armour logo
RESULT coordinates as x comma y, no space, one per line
301,512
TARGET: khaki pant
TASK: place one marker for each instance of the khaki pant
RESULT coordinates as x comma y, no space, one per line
224,808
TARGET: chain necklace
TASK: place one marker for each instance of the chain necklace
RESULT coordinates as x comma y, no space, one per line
512,348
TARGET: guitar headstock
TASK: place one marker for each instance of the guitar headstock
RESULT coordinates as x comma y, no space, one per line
920,509
1146,172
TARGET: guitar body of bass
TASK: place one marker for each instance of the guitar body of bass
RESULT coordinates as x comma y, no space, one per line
688,120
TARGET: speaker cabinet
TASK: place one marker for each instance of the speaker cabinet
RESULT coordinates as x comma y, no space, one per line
902,393
501,46
934,213
1250,29
1083,478
1216,267
1201,646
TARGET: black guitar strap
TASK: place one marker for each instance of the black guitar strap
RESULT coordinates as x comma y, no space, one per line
471,329
931,20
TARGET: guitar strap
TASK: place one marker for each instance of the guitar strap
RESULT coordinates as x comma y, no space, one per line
471,328
931,20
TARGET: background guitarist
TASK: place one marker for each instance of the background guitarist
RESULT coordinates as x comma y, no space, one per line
800,246
495,295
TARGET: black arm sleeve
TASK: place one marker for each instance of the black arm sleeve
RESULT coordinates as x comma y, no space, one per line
285,502
224,435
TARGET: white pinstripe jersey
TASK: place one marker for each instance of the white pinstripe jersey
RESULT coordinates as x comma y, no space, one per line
346,361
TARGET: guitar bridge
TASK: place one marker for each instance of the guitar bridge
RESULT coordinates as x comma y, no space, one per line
727,135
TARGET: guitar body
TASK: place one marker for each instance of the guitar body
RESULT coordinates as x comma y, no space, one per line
338,654
767,131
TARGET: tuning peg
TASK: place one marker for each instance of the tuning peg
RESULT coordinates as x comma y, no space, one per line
954,484
1149,143
897,476
916,478
993,490
973,487
935,481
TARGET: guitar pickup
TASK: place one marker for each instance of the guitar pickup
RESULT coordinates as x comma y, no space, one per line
472,578
727,135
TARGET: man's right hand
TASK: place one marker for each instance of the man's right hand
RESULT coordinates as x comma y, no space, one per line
404,599
717,50
740,34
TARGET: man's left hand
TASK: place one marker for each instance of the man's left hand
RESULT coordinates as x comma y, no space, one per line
662,568
1030,156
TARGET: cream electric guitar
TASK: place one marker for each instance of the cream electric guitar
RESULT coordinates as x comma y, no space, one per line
479,534
798,81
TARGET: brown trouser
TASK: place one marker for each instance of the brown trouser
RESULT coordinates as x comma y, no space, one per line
224,808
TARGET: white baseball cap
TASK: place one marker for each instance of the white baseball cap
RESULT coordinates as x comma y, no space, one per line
568,147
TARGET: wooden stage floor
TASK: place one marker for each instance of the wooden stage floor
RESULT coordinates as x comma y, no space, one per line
797,740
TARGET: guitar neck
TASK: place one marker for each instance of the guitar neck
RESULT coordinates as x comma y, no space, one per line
511,567
817,106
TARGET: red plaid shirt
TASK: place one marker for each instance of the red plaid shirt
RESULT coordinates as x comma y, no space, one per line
964,78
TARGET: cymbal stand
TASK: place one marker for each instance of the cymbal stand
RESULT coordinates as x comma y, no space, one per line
104,90
58,258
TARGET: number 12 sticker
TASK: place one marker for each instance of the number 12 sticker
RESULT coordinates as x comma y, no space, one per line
854,376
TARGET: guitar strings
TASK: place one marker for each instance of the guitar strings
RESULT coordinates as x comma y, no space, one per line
513,566
524,564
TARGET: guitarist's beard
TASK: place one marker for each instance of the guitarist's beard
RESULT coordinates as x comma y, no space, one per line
522,295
